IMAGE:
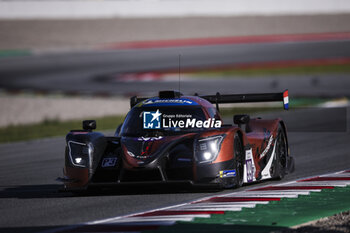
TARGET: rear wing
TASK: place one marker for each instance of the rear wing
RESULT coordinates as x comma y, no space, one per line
247,98
225,99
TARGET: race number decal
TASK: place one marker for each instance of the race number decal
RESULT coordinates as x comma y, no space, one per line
109,162
249,164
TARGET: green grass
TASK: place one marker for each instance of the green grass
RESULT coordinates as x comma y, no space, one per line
14,53
305,102
296,70
51,128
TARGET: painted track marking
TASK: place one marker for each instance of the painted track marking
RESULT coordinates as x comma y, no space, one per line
205,207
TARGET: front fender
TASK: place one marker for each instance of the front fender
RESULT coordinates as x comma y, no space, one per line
88,147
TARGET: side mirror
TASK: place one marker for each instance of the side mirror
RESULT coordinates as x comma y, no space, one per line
241,119
89,125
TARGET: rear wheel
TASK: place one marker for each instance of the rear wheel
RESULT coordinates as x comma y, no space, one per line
280,162
238,164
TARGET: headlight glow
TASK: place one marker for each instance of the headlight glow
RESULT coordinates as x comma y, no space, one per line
207,155
213,146
207,149
80,153
78,160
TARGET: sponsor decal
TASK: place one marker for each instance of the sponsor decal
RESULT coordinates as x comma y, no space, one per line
146,139
227,173
266,172
249,167
109,162
267,148
134,156
130,154
250,174
158,102
155,120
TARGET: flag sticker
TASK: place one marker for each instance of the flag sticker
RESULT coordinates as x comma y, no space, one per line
286,100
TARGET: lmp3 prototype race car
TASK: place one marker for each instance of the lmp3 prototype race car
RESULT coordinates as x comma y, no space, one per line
173,138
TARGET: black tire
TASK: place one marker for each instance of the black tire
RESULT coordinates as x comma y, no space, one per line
239,160
238,165
280,162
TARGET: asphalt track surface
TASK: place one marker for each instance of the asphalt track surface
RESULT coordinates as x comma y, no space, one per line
30,201
82,72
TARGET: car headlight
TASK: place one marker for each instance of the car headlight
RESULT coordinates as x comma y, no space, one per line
207,149
80,153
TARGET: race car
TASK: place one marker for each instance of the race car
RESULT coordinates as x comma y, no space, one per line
172,138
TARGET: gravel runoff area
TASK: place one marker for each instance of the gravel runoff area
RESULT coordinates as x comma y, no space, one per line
23,109
88,33
339,223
